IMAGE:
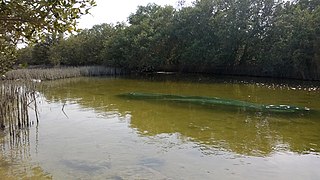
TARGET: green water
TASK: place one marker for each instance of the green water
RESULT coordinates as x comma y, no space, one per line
86,131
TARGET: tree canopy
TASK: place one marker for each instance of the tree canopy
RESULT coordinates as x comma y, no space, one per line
242,37
25,21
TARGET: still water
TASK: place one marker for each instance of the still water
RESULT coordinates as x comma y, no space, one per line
86,131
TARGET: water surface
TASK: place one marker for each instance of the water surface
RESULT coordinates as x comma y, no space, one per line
87,132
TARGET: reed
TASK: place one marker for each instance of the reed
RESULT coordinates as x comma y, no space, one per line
61,73
18,92
16,98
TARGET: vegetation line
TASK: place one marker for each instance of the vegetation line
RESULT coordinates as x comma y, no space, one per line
37,75
265,38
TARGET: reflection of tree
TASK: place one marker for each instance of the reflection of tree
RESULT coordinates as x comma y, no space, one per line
15,157
240,132
233,129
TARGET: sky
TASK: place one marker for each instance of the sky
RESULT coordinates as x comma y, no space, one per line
113,11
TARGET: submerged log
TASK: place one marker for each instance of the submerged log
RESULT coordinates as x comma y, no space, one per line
211,101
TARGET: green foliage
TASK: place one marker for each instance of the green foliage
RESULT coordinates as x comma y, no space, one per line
247,37
195,38
145,44
292,42
29,21
7,56
24,56
84,48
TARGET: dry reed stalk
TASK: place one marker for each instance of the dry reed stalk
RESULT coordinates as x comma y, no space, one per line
15,100
17,96
61,73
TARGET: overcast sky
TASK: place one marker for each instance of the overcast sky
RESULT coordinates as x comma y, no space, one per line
113,11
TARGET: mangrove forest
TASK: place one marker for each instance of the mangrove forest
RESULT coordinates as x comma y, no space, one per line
215,89
249,37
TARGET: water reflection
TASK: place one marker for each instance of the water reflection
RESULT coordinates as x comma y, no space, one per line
240,132
15,157
213,129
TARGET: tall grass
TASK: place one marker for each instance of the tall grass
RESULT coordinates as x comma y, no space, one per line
16,99
61,73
